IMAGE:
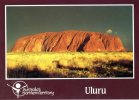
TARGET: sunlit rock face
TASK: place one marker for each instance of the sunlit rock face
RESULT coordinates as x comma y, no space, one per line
70,40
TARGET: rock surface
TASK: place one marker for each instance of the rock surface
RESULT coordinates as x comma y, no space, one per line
70,40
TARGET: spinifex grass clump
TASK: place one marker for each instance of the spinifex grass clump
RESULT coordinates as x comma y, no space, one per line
70,65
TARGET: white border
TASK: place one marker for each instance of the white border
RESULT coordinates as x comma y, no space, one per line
132,5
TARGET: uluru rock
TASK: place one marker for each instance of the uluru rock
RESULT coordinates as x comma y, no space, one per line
70,40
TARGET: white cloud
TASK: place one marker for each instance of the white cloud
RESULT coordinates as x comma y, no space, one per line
109,31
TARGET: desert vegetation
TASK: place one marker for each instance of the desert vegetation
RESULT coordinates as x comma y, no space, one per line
69,65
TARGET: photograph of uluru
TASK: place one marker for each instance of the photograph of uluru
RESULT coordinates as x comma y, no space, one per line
69,41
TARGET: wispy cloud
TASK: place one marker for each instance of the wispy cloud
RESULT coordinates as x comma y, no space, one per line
109,31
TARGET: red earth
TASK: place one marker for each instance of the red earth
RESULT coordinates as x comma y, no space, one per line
70,40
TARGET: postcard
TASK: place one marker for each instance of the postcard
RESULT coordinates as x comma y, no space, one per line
69,51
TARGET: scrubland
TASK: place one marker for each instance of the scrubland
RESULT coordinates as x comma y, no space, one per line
70,65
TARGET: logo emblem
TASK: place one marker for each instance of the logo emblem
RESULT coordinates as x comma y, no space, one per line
20,88
17,88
